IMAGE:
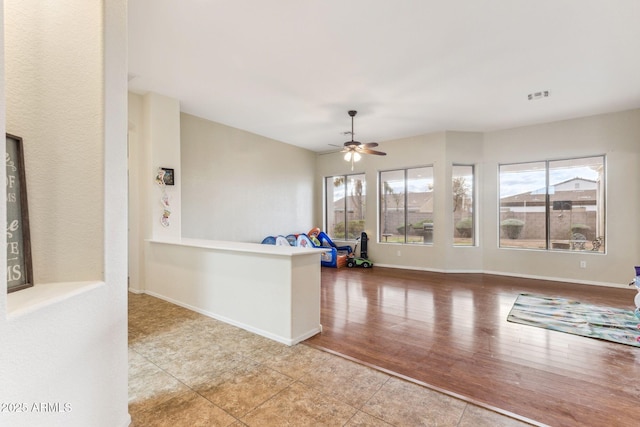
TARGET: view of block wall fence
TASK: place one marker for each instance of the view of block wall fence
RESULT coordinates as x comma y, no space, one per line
560,224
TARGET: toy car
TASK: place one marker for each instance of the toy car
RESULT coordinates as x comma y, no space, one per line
358,262
361,261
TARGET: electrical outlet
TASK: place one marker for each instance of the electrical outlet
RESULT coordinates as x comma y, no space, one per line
399,253
583,264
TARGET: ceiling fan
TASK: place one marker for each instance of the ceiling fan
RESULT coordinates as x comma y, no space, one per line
354,149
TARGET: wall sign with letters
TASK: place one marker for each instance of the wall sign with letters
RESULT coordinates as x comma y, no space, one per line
19,269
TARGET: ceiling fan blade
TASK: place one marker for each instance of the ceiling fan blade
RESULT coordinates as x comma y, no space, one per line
369,151
369,144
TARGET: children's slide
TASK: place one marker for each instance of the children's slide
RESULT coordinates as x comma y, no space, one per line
332,255
326,241
329,256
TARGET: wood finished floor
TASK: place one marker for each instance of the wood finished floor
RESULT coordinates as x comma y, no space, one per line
450,331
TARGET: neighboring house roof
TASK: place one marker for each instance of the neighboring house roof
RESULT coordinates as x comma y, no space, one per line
416,201
579,190
585,184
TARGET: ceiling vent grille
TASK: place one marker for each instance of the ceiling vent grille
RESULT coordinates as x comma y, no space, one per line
538,95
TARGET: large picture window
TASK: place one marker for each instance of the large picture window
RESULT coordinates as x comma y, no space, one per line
463,205
345,206
555,204
406,206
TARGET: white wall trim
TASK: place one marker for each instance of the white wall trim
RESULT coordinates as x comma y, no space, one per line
241,325
556,279
508,274
45,294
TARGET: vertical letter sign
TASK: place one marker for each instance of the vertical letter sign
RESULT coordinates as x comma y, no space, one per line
19,270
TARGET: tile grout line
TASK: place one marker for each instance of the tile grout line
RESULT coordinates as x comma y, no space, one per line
368,400
186,385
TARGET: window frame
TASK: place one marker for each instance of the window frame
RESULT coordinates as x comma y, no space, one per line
345,177
405,215
474,210
598,243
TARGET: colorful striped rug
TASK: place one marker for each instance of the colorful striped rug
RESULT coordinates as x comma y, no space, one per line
573,317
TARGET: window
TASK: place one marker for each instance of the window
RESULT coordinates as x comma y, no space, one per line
463,205
345,206
406,206
557,205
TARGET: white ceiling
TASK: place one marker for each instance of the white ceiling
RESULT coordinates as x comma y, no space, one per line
291,69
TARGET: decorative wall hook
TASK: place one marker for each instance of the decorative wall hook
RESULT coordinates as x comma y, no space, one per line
164,198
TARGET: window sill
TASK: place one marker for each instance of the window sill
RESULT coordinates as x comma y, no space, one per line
32,299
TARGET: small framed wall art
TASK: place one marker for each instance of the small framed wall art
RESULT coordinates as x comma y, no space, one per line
19,268
168,176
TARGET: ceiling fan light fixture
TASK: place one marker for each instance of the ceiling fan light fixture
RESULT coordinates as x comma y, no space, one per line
354,149
352,155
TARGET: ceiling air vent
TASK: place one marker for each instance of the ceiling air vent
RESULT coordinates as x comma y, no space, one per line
538,95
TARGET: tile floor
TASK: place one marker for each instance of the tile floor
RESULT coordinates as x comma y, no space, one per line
186,369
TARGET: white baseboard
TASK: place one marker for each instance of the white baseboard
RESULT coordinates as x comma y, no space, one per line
509,274
127,421
257,331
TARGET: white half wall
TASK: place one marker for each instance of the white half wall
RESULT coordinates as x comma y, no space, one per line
273,291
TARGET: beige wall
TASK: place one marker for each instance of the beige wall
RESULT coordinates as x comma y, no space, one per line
154,142
139,212
439,150
64,340
240,186
616,135
231,184
54,102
